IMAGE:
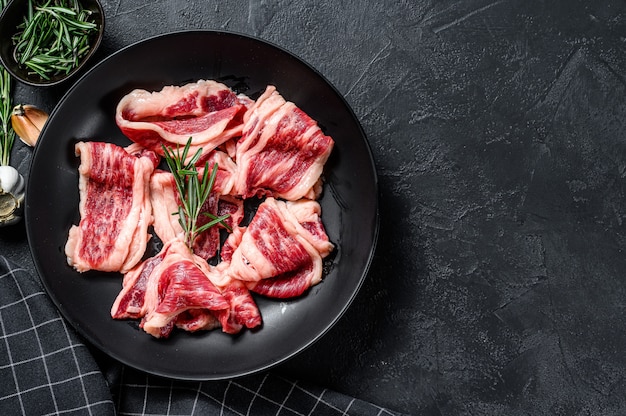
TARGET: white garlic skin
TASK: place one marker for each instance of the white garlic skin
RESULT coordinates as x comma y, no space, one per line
12,190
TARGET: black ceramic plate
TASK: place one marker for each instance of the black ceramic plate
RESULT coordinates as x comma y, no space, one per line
87,111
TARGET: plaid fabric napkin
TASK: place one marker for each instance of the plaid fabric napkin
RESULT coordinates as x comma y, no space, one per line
46,369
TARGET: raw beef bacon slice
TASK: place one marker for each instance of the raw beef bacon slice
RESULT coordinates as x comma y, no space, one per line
282,151
243,310
167,286
208,111
114,208
306,215
174,289
275,255
163,197
130,303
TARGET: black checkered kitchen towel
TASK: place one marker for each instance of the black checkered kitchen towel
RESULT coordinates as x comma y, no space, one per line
46,369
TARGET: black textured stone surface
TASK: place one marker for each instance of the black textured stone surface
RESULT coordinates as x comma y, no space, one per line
498,130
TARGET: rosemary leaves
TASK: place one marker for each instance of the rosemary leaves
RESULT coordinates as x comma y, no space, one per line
192,190
6,132
54,36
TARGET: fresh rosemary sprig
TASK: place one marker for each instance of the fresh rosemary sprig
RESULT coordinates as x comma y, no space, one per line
54,36
6,131
192,190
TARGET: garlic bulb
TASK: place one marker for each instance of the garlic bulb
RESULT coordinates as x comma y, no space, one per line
11,195
27,122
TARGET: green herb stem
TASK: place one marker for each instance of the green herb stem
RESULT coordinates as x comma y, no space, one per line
54,37
193,192
7,136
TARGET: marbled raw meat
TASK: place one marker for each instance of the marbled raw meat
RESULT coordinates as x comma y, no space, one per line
281,154
233,207
282,151
226,172
208,111
114,208
193,320
183,286
306,215
164,204
273,256
130,303
231,243
165,286
243,310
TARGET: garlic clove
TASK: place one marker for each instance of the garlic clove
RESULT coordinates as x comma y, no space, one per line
12,190
27,122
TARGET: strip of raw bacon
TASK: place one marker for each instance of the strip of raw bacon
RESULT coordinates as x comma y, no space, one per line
130,303
207,111
165,286
306,215
164,204
272,247
114,209
282,151
284,286
231,243
182,286
243,311
138,150
226,171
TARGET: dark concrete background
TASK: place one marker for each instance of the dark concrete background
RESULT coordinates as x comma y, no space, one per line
498,130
